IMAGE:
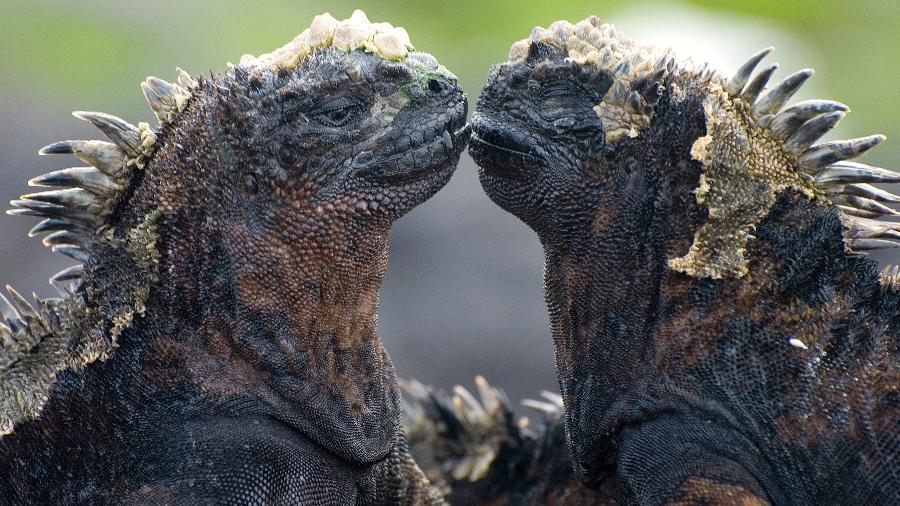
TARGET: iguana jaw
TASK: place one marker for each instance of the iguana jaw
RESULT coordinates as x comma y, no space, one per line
434,157
502,150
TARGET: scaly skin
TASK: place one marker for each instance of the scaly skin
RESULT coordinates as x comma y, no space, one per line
684,388
256,374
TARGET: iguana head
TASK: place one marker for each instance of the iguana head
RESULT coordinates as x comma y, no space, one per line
567,130
636,169
345,116
547,125
273,185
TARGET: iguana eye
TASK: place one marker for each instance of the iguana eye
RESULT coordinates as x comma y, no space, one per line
559,89
338,116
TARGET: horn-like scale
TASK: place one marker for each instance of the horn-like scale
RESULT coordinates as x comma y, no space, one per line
847,184
80,202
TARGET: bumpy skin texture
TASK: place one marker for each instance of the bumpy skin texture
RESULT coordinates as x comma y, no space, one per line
256,374
681,389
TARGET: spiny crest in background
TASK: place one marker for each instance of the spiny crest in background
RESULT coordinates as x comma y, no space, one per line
458,437
355,32
754,147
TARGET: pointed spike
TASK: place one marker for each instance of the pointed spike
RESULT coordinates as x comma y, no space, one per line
185,79
7,342
544,407
122,133
65,290
866,191
164,90
26,310
89,178
775,99
72,251
67,237
103,155
11,315
864,227
871,206
490,399
862,213
49,318
866,244
68,274
758,83
618,93
634,103
53,225
59,148
650,78
812,130
623,68
887,234
153,101
828,153
852,172
43,209
553,397
789,120
467,405
75,198
47,303
737,82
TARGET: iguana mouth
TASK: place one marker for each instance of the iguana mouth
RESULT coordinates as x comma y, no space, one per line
502,151
418,162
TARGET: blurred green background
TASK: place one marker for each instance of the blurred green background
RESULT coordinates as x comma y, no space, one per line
93,52
464,292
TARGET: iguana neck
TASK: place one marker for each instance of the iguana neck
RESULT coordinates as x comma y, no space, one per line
623,322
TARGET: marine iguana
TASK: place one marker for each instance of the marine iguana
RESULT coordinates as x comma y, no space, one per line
719,338
218,343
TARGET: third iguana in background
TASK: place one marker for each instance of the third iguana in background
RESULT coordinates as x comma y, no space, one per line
719,337
217,342
477,452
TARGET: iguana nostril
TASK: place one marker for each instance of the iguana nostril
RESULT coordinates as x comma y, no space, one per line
435,86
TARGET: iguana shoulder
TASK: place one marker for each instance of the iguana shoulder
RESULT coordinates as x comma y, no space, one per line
719,336
217,341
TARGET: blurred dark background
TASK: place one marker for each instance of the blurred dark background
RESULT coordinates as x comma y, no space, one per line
464,292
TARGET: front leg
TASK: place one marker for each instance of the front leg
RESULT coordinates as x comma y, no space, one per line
686,461
233,461
397,480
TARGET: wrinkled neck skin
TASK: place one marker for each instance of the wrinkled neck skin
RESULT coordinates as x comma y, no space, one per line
631,334
604,306
272,314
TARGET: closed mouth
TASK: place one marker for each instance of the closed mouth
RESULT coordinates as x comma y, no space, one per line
503,151
423,160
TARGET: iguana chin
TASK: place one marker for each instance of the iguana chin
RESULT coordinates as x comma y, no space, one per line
219,343
719,339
